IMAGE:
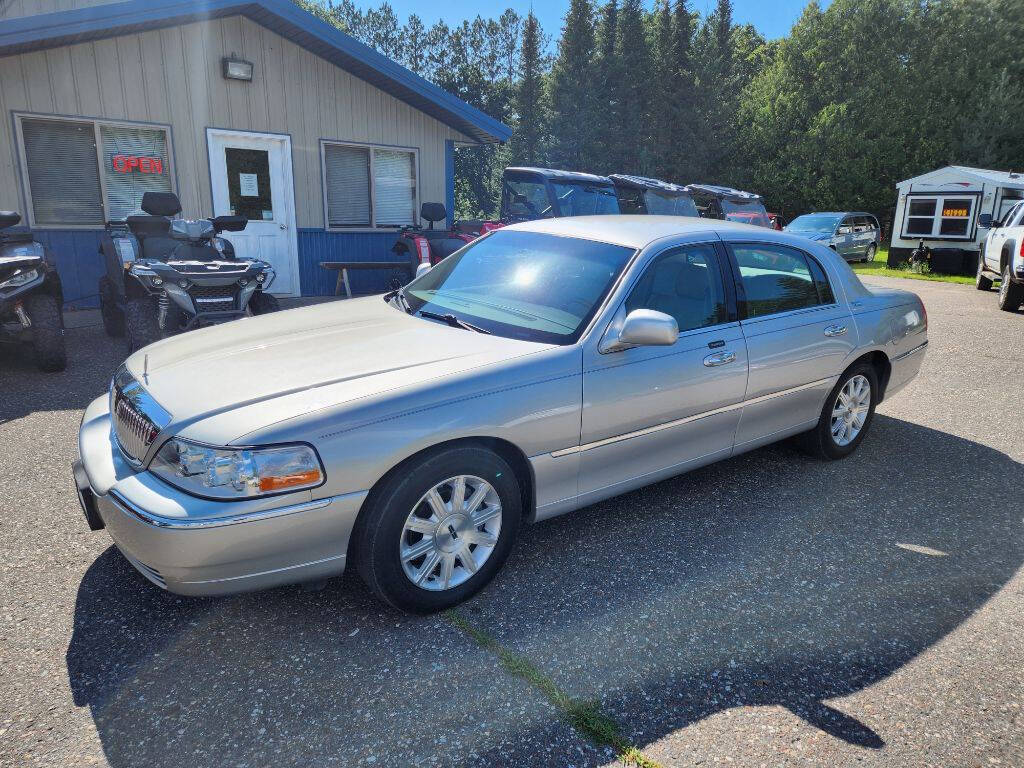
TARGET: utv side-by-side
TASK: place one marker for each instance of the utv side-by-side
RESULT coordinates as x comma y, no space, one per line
641,195
31,296
166,275
715,202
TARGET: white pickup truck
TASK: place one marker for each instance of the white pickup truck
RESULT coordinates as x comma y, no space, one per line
1002,258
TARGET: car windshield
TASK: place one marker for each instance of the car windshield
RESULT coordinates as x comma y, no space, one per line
747,212
813,222
527,200
522,285
575,199
669,205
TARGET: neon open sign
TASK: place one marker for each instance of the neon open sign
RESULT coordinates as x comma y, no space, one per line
137,163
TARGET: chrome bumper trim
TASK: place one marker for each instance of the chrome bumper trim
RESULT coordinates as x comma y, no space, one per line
908,353
216,522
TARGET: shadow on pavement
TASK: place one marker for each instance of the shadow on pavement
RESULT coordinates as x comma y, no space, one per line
768,579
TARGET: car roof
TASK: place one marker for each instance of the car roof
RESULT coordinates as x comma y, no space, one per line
633,231
725,192
838,213
643,182
553,173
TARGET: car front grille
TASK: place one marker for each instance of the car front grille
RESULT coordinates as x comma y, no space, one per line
137,417
214,298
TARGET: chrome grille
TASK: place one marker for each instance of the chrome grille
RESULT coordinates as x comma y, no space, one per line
137,417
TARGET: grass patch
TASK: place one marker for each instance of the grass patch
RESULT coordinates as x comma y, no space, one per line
585,716
879,268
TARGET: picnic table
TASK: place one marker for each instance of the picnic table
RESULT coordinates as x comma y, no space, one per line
344,266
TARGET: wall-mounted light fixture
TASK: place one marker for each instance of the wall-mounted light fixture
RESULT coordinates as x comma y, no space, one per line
236,69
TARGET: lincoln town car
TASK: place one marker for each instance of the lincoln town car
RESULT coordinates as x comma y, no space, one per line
543,367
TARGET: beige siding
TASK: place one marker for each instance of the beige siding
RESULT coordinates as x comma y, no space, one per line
173,76
12,9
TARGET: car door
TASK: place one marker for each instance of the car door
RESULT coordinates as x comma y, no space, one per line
864,235
997,236
650,412
844,240
798,332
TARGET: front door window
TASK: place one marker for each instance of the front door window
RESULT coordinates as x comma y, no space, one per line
249,192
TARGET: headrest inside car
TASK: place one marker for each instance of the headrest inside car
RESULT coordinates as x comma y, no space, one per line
9,219
433,212
161,203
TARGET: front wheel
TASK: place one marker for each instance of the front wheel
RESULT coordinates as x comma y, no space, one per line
981,281
1010,293
113,318
141,319
263,303
47,332
846,415
438,530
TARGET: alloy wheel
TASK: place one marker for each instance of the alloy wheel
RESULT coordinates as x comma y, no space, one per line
450,533
850,410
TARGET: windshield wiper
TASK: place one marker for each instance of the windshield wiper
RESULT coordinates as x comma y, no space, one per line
453,321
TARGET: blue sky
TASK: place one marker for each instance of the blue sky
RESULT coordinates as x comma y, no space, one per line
773,18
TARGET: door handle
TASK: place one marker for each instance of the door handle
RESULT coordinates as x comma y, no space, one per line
720,358
835,330
283,226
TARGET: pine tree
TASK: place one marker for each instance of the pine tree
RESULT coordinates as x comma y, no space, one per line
723,38
529,103
607,119
686,156
663,115
635,140
572,91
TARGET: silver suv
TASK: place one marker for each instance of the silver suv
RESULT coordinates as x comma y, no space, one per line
853,235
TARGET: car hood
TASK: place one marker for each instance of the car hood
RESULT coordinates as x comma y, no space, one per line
815,236
277,366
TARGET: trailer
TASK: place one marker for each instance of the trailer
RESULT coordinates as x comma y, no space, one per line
941,210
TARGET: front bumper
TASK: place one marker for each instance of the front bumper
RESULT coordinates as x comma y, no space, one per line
195,546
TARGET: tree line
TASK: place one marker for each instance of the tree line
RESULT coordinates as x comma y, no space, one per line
857,97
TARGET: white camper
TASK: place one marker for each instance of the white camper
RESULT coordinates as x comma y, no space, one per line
942,209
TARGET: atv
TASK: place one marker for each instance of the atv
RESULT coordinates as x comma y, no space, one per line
429,246
31,296
715,202
167,275
641,195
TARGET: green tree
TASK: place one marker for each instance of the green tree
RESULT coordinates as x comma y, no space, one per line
608,75
685,153
530,129
572,91
636,83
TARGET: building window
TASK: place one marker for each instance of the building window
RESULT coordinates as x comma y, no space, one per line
368,186
938,216
87,172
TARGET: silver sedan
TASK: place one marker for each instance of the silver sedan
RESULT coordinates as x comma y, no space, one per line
542,368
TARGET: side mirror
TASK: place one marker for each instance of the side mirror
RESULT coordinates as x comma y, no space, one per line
985,221
640,328
422,269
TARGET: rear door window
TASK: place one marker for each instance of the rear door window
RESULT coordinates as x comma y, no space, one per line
778,279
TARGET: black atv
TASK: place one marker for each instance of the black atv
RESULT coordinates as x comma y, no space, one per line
31,296
166,275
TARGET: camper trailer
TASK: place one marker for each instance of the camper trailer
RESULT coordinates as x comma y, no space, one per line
942,209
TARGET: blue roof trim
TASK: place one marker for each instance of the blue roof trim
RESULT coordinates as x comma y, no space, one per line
282,16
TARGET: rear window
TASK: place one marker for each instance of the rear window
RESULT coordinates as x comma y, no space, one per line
779,279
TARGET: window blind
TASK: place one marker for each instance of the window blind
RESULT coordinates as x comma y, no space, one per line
394,174
347,187
62,175
134,162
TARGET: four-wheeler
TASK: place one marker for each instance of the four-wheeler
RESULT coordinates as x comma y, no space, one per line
1002,257
31,296
639,194
429,246
167,275
715,202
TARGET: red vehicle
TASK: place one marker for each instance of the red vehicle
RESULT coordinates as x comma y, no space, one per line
429,246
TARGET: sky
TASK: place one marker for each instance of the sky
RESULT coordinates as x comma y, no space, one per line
772,18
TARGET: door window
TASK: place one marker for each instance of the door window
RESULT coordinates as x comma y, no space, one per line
779,279
249,192
685,283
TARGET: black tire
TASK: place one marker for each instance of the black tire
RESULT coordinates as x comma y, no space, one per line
113,317
981,281
141,322
870,255
1011,294
819,442
261,303
376,540
47,332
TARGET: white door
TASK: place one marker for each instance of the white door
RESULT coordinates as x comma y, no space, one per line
251,174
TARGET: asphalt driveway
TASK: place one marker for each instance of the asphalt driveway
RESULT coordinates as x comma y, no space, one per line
766,610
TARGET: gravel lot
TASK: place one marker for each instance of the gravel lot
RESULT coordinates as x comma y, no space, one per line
768,610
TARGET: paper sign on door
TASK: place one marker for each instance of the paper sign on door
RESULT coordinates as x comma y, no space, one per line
247,185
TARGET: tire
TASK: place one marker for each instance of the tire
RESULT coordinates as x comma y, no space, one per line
1011,294
382,529
47,332
113,317
870,255
141,326
261,303
820,442
981,281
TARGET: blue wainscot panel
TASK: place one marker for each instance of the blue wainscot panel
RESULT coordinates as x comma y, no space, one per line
317,245
76,253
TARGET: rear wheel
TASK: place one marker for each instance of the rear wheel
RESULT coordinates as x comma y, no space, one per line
439,530
981,281
870,255
261,303
47,332
113,317
141,322
846,416
1011,294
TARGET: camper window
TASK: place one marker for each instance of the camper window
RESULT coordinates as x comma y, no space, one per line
938,216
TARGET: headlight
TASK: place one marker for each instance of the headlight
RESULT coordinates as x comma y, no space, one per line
20,278
236,473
